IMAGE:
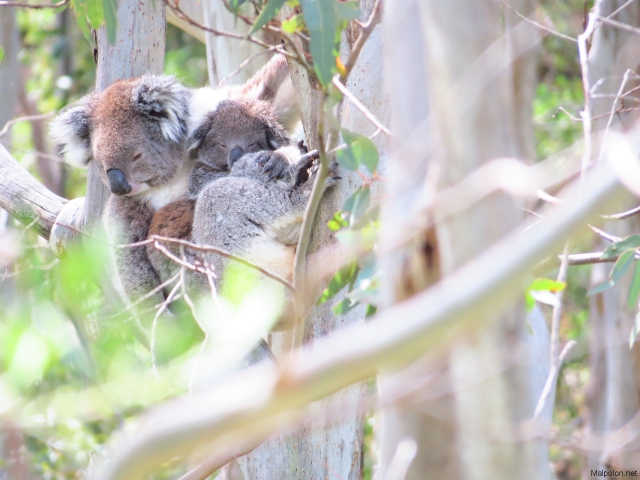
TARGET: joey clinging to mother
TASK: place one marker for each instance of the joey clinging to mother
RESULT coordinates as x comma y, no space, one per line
227,124
136,131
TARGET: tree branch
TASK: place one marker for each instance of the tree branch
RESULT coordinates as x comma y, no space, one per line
25,198
430,321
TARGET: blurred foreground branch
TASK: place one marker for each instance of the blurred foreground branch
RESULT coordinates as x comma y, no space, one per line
255,403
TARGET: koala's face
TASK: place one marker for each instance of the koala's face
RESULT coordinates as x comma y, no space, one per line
229,123
135,130
235,128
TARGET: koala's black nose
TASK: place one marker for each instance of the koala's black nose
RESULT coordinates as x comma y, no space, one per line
118,182
234,155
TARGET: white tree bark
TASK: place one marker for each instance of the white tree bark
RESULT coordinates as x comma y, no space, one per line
613,393
458,68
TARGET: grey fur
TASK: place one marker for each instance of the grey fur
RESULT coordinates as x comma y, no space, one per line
253,217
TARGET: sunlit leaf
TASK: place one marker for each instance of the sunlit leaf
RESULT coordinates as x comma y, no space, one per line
95,14
338,221
348,10
615,249
542,290
344,306
1,54
547,284
320,18
342,278
266,14
293,24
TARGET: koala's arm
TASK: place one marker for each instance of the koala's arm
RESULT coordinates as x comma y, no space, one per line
127,221
201,176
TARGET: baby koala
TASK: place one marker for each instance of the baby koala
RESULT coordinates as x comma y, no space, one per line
226,124
254,218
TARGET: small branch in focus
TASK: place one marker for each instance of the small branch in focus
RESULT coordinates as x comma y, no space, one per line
539,25
623,215
366,112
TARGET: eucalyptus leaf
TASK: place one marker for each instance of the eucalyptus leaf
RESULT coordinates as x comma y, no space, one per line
357,204
615,249
1,54
344,306
362,150
600,288
266,14
634,291
95,14
348,10
622,265
293,24
110,8
343,277
320,18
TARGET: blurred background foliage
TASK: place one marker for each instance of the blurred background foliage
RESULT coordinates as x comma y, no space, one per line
56,341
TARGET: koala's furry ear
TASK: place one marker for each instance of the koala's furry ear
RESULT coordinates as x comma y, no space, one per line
71,131
272,83
165,99
197,137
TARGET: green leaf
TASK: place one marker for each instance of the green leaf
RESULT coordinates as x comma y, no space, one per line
234,4
337,222
634,331
546,287
600,288
362,149
266,14
1,54
622,265
634,291
346,160
370,216
293,24
95,15
357,204
343,277
320,18
540,284
371,310
348,10
110,8
80,9
615,249
343,306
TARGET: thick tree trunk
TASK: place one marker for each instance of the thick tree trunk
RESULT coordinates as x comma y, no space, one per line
464,423
613,394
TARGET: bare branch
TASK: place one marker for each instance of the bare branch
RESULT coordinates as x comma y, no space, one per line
539,25
366,31
370,116
620,25
29,118
623,215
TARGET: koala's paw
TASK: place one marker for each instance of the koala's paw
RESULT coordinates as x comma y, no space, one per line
274,165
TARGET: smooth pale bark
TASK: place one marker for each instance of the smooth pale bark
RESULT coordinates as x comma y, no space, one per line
459,70
613,393
224,54
9,69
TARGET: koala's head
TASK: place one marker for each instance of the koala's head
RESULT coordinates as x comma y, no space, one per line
136,130
228,123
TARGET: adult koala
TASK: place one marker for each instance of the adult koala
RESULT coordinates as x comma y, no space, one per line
136,130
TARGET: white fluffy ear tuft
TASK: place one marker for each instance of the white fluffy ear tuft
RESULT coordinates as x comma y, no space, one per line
71,130
165,99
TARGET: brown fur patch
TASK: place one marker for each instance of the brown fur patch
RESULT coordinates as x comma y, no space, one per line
174,220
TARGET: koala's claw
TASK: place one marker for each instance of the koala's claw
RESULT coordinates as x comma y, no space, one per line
274,166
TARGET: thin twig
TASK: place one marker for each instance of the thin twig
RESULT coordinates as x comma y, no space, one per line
205,249
623,84
623,215
539,25
605,235
245,63
619,9
586,258
620,25
29,118
33,5
365,111
365,33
